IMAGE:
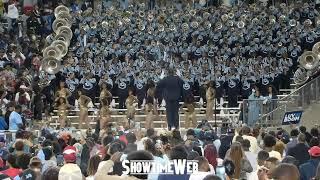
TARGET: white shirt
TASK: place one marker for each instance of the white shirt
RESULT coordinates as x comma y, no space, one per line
12,11
199,175
252,157
253,143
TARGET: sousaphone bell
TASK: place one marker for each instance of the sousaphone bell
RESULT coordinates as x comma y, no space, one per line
309,60
51,65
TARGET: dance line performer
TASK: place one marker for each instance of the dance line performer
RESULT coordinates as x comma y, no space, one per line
131,105
105,114
210,98
150,107
83,101
190,113
63,106
171,87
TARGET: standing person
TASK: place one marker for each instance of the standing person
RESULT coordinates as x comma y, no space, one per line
83,106
308,169
238,157
15,119
150,107
210,97
172,91
63,107
131,102
300,150
255,105
105,114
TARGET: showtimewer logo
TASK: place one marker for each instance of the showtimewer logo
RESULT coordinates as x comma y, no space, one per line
177,167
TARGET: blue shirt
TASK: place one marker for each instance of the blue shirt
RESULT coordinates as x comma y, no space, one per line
3,124
14,120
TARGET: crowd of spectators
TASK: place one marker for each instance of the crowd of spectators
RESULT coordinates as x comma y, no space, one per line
241,153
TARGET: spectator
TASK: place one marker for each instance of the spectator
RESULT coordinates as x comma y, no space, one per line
253,141
13,169
51,173
210,153
242,165
177,152
290,160
300,151
3,124
317,177
308,169
48,161
304,131
70,170
269,141
131,146
294,139
33,172
271,164
252,157
15,119
261,160
176,138
286,171
93,166
204,169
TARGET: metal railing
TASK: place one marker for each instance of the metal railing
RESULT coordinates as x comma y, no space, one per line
271,112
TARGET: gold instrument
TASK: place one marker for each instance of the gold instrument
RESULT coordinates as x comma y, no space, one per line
309,59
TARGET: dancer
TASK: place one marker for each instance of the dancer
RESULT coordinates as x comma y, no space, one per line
63,106
210,95
83,101
105,93
190,113
130,104
150,107
105,114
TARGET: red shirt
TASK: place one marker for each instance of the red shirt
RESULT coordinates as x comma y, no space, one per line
12,172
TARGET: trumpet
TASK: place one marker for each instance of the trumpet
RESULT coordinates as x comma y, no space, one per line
185,27
161,27
224,17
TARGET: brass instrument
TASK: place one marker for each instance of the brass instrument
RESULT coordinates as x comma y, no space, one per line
185,27
224,17
300,76
62,46
50,65
240,24
292,22
192,12
59,23
104,24
309,59
52,51
194,24
61,9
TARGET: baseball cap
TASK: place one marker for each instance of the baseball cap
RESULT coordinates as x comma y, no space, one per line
314,151
69,154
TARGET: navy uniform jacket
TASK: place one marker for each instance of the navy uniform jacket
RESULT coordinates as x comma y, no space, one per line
171,87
